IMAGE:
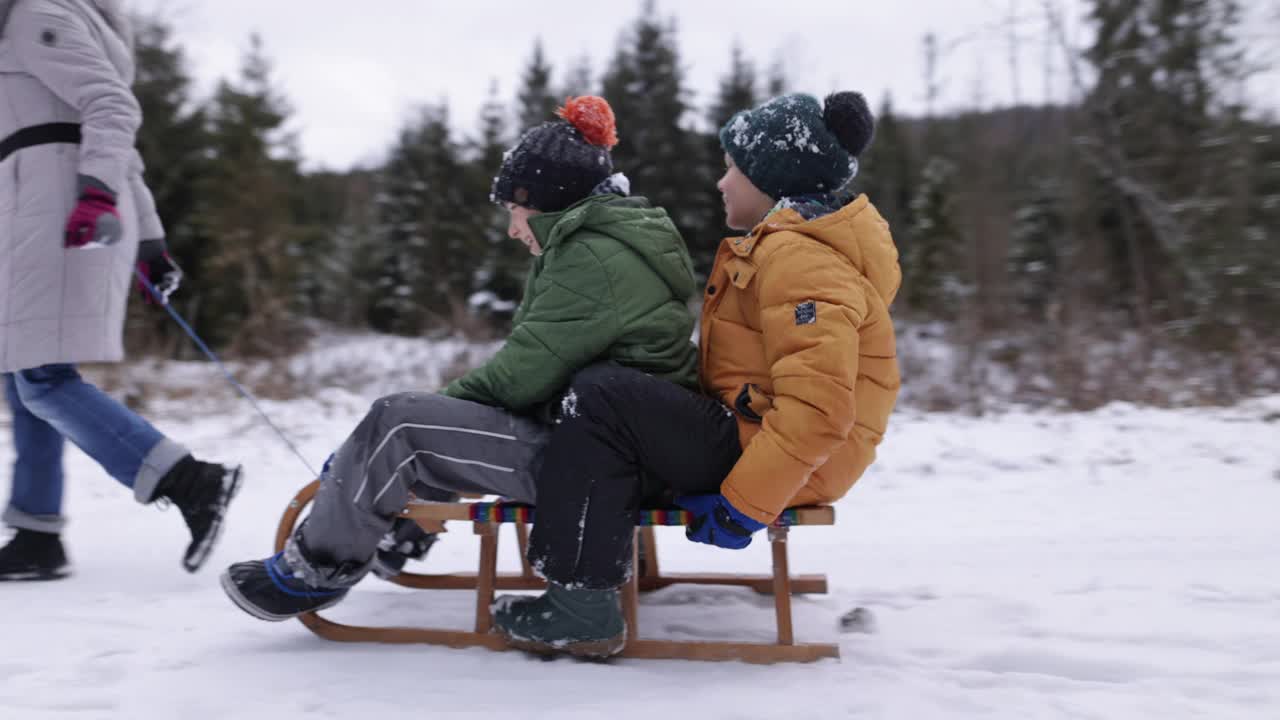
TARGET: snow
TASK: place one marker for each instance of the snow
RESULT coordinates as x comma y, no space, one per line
1113,564
742,135
568,405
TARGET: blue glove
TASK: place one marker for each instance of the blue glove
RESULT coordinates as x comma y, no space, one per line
717,522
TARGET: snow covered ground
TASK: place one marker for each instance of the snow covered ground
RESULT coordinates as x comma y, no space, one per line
1123,563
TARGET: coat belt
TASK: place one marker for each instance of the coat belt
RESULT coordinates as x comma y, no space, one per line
46,134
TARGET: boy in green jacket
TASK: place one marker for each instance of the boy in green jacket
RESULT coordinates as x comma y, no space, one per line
610,281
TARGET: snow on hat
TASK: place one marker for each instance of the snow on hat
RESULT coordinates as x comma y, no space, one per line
559,162
793,146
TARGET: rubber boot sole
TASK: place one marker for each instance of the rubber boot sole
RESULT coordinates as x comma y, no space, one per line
198,553
233,592
587,649
41,575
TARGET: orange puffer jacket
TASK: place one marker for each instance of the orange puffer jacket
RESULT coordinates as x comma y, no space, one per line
797,340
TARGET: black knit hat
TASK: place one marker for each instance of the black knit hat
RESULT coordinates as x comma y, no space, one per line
793,146
560,162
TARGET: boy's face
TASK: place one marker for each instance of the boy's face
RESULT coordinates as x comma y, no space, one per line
518,227
745,205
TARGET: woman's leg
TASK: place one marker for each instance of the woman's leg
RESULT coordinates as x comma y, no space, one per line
35,503
133,452
35,500
128,447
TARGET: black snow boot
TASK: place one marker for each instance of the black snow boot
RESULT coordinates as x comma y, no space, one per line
405,541
33,555
202,492
585,623
275,589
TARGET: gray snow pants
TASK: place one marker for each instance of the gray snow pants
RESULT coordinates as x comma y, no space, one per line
432,444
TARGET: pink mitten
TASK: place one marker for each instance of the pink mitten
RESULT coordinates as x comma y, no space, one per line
94,222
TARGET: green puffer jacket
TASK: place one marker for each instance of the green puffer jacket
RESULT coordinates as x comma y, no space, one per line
612,283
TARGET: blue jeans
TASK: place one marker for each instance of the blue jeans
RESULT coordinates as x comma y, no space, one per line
52,404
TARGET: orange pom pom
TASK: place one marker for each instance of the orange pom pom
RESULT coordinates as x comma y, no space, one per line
593,117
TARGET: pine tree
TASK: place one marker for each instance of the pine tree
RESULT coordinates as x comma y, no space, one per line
776,83
579,79
1035,249
887,172
323,248
350,269
1157,146
933,276
172,139
736,91
172,143
426,245
645,85
935,268
535,101
1243,250
502,263
247,214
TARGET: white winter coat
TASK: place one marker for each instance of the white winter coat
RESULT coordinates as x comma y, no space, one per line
67,61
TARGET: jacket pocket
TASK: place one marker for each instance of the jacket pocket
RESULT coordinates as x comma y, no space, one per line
752,403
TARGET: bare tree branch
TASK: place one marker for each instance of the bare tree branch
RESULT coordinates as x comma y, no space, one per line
1104,152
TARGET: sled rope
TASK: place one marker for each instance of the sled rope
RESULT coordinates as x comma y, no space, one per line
164,301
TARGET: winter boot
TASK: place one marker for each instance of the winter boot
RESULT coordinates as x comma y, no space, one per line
202,492
33,555
406,541
585,623
287,584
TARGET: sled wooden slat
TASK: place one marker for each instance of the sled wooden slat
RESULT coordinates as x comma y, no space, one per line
486,519
420,510
631,594
800,584
781,585
338,632
488,568
649,546
756,653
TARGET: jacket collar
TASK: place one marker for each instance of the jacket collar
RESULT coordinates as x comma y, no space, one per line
856,231
786,217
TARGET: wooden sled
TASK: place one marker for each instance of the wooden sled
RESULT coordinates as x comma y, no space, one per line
486,518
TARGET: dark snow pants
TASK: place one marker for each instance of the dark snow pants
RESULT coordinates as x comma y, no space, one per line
625,441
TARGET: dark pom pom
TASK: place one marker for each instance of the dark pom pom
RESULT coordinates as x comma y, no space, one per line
847,116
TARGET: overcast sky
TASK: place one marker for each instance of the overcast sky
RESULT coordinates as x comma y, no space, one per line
353,70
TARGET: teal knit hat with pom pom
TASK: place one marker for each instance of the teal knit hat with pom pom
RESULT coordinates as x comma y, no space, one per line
793,146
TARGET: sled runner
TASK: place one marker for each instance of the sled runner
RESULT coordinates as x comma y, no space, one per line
487,517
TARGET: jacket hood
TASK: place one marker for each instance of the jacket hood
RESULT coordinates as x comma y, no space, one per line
112,11
856,231
645,230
